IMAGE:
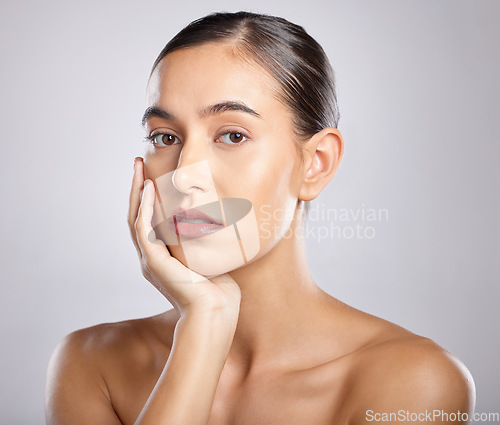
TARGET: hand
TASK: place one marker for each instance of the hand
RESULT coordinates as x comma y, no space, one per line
166,273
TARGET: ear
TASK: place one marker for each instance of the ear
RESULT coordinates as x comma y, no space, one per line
323,153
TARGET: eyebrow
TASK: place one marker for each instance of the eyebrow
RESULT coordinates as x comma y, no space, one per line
155,111
218,108
228,106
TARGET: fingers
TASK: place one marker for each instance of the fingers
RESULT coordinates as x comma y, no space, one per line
144,230
222,278
156,258
135,191
135,199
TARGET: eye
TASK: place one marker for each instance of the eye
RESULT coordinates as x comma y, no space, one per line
164,139
233,138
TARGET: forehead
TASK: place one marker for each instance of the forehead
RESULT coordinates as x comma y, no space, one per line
201,75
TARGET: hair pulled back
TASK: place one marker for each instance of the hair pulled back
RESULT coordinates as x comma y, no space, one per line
285,50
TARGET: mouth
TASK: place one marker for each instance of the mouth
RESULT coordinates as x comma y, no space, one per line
193,223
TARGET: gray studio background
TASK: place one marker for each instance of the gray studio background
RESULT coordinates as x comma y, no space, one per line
418,93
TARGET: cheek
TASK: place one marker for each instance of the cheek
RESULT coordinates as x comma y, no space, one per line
158,163
262,177
267,183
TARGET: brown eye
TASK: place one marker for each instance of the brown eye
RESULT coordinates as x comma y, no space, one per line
163,139
232,138
236,137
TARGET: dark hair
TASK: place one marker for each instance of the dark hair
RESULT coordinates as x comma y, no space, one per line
285,50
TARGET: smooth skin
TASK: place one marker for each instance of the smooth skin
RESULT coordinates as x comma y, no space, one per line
262,344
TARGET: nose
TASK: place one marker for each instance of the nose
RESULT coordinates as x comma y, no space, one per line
193,172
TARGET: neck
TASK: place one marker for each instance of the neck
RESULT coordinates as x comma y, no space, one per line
278,296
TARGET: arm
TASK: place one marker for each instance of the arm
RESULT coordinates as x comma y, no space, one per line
185,391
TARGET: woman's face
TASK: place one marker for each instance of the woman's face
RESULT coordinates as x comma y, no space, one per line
223,145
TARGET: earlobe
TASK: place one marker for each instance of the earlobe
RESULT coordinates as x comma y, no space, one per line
326,149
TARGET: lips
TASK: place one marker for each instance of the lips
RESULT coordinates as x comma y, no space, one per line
193,223
194,214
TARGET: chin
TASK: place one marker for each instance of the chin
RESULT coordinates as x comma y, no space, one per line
208,266
219,252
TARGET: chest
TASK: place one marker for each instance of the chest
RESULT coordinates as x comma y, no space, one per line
304,397
307,397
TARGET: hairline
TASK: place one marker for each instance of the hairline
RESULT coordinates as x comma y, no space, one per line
238,49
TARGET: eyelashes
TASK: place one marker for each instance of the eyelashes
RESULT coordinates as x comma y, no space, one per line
229,137
166,139
238,138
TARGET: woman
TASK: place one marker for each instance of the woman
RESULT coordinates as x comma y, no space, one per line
241,118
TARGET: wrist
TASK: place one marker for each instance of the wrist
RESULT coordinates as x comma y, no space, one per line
226,316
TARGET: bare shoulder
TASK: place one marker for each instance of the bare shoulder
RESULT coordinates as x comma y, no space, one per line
86,361
109,345
404,373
